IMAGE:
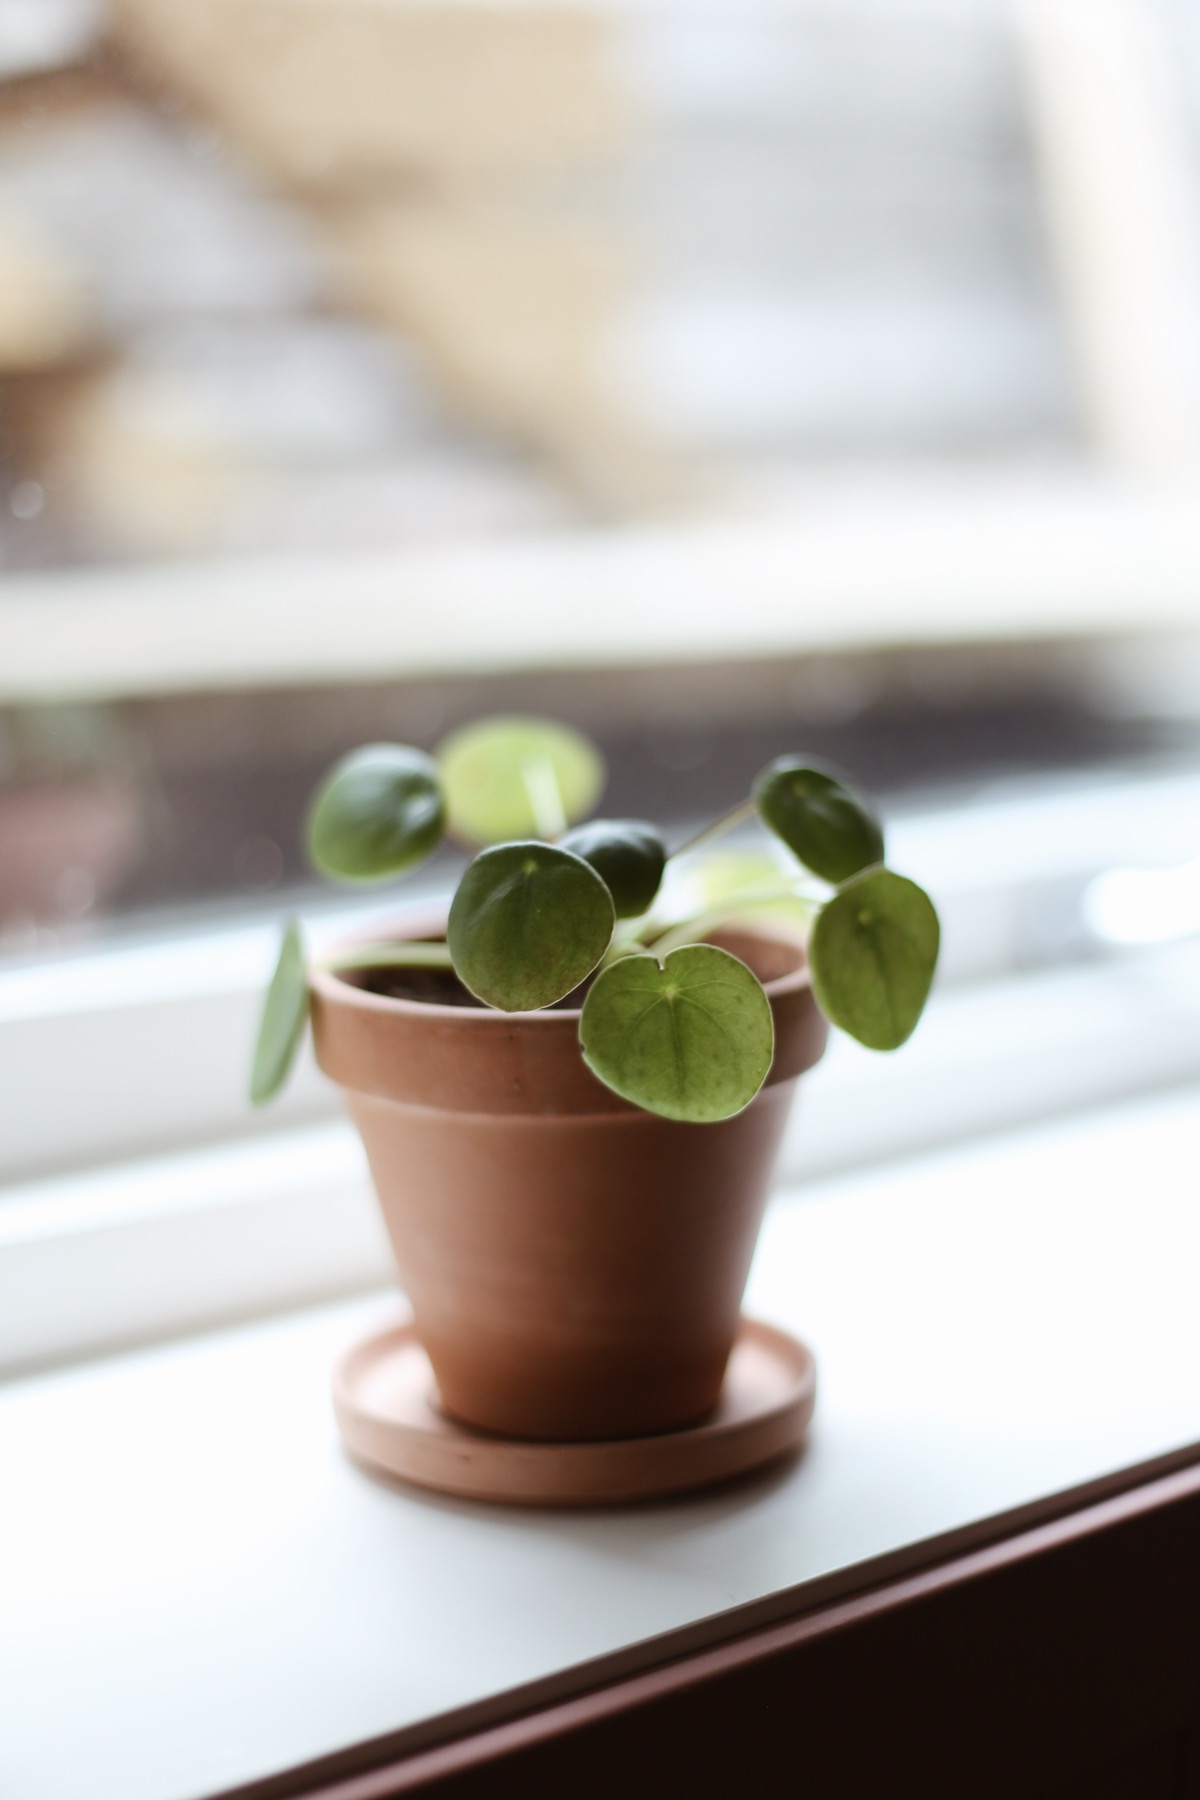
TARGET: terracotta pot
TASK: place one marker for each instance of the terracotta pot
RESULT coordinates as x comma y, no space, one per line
575,1265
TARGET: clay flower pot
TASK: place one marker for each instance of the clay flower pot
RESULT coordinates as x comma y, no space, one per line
575,1265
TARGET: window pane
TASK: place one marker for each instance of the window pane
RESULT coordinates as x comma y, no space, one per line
727,380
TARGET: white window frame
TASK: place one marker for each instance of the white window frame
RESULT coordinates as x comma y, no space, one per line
240,1212
94,1050
140,1048
857,561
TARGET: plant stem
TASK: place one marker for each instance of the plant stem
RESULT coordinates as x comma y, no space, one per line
690,930
541,785
391,956
746,809
624,942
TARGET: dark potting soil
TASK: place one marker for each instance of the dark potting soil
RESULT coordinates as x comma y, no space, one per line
437,987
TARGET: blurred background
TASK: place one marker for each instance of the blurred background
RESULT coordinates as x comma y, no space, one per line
725,378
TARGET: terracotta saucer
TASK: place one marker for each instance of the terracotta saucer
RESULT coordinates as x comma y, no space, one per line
388,1413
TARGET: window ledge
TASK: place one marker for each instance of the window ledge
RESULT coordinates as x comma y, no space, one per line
200,1590
91,1261
142,1049
849,560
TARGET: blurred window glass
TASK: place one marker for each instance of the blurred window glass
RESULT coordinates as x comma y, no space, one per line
725,378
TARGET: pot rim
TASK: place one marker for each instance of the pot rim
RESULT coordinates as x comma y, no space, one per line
334,986
477,1059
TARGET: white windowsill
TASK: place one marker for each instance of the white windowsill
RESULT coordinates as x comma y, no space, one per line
200,1590
935,554
133,1050
154,1201
90,1262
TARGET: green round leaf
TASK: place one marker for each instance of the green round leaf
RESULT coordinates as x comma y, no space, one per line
517,778
820,820
378,812
872,952
284,1016
690,1039
628,855
529,923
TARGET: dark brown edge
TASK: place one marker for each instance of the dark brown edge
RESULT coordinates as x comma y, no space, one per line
604,1689
332,982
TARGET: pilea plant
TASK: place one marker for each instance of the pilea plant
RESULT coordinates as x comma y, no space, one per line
550,907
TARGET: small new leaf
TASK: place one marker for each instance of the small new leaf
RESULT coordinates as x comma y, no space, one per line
820,820
529,922
872,952
377,813
690,1039
628,855
517,778
284,1016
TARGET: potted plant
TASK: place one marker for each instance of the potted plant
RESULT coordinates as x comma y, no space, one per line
571,1089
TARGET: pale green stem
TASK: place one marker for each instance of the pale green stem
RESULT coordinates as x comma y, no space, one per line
745,810
541,785
623,941
691,930
390,956
639,933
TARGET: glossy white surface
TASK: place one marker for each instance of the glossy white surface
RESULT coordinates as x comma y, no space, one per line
197,1589
843,559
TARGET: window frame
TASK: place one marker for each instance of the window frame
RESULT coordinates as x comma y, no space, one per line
221,1212
1113,556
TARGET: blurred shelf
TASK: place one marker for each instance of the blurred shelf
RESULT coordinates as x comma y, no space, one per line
833,563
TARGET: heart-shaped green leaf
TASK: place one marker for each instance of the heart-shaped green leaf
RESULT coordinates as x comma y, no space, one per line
820,820
284,1016
517,778
872,952
628,855
378,812
690,1039
529,923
